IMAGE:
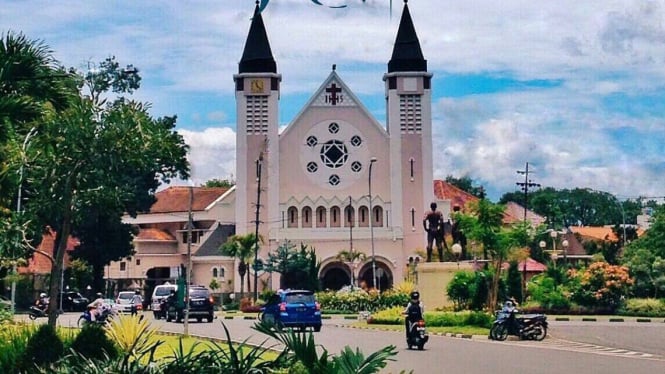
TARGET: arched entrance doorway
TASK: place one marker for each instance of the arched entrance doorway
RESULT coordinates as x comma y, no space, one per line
334,276
383,274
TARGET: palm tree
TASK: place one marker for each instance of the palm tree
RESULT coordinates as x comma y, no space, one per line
241,247
351,257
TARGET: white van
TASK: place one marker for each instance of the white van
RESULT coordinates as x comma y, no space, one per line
160,293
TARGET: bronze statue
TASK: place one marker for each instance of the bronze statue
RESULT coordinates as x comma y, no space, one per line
434,226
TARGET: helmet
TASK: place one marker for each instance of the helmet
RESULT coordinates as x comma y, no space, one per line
42,295
99,294
137,292
415,295
508,304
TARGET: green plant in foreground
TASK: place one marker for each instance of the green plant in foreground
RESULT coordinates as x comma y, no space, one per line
44,347
302,348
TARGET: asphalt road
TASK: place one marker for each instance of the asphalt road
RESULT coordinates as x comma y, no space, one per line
571,347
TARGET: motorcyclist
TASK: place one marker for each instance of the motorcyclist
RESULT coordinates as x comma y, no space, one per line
42,302
96,307
136,301
413,312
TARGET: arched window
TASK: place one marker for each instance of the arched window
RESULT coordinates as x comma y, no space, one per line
321,217
292,213
335,218
306,217
349,216
215,272
363,216
222,272
377,217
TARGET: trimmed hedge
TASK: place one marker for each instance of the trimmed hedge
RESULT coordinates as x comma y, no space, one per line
393,316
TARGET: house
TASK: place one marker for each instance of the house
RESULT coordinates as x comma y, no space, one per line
162,246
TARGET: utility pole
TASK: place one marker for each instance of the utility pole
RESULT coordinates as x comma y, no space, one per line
353,275
259,164
188,278
525,186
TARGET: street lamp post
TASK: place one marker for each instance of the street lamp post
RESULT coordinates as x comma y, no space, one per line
565,244
371,225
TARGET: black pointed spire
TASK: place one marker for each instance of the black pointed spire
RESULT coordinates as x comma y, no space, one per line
407,55
257,56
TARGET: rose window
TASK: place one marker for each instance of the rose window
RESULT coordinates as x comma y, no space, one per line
334,154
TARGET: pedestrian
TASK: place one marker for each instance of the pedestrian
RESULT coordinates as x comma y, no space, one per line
136,301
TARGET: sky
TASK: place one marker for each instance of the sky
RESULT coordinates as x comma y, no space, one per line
574,88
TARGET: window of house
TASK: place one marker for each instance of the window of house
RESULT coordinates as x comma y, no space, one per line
363,216
215,272
378,216
335,216
138,262
123,266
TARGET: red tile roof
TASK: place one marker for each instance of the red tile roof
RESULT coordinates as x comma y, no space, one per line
446,191
176,198
458,197
599,232
532,266
40,264
152,234
515,213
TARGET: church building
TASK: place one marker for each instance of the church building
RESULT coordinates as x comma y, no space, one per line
335,178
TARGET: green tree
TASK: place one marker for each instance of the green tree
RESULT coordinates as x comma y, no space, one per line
242,247
514,282
299,267
351,257
226,183
643,257
484,226
466,184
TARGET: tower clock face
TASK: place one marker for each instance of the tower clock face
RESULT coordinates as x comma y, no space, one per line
334,154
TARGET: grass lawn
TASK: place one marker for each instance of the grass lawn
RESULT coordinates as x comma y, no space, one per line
467,330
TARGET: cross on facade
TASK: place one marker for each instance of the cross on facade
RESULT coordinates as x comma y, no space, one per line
333,98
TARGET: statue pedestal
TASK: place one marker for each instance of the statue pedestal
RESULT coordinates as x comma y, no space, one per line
433,279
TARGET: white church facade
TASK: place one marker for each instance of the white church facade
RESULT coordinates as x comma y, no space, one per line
335,178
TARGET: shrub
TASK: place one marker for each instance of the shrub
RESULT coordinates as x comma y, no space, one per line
461,288
44,347
601,285
393,316
643,308
93,343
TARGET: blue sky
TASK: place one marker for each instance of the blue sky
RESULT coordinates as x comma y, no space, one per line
575,88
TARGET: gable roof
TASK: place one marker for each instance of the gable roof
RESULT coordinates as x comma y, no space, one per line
458,197
218,237
177,198
514,213
350,100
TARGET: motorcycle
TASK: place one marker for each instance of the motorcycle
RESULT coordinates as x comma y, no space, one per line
35,312
101,318
526,327
417,336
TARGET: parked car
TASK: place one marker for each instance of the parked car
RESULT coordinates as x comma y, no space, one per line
73,301
201,305
160,293
124,301
293,308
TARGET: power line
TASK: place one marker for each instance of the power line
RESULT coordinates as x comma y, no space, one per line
525,187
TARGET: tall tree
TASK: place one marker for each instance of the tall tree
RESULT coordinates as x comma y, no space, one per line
466,184
242,247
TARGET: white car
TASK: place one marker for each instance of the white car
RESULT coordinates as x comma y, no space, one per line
160,293
124,301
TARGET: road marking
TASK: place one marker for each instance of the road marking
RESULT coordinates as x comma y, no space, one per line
568,345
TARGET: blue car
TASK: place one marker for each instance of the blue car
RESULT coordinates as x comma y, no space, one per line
293,309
